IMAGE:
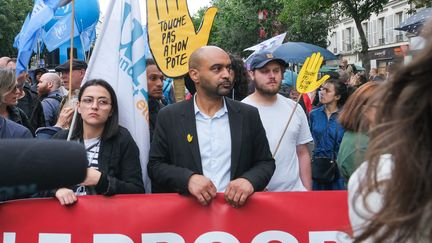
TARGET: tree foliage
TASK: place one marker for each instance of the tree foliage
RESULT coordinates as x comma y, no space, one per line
307,20
236,25
419,4
12,16
360,10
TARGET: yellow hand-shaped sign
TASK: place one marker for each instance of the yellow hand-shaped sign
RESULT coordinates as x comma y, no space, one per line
307,80
172,36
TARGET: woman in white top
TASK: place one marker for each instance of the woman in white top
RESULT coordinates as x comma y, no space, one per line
390,196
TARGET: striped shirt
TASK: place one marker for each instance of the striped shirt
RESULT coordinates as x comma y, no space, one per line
92,147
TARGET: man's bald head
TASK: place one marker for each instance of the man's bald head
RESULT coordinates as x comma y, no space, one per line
48,82
52,78
4,61
198,55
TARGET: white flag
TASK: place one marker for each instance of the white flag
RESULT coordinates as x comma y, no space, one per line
119,58
269,44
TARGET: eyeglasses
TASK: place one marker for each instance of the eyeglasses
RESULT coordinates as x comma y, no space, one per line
102,103
16,88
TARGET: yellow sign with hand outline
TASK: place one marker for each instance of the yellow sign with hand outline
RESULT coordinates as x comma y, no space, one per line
172,36
307,80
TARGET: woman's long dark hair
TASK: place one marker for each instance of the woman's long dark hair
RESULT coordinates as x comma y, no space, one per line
404,130
341,89
112,123
241,78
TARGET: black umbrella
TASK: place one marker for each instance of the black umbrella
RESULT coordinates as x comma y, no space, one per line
415,23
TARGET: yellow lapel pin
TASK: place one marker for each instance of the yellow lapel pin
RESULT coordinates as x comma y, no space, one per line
189,138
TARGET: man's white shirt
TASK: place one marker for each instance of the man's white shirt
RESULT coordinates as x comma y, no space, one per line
214,139
274,118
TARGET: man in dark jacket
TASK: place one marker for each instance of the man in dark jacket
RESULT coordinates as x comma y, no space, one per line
155,80
48,89
29,101
210,143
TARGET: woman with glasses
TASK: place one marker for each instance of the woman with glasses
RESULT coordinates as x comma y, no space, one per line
9,92
113,156
327,133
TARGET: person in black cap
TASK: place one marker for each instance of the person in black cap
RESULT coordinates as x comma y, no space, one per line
78,71
66,107
38,73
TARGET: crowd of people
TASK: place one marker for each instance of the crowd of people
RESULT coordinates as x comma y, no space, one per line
229,136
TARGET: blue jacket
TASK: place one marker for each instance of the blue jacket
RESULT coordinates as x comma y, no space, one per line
324,132
51,107
10,129
46,132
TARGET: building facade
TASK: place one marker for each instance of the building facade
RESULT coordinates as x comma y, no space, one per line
386,45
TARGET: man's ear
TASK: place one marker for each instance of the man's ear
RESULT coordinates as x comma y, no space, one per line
50,84
83,71
194,75
337,97
251,74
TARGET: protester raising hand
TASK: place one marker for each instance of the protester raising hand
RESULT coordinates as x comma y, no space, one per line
65,117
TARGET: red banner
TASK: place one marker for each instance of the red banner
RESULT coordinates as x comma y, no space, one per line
318,217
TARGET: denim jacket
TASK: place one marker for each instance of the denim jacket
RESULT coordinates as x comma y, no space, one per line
324,133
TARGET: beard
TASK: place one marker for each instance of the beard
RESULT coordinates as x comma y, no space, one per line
222,89
42,92
269,91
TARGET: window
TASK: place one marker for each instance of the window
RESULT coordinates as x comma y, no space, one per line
348,36
381,40
334,43
398,19
375,33
389,31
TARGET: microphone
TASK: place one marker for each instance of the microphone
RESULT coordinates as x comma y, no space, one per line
41,164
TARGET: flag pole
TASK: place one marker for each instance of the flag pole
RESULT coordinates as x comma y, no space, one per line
286,127
70,71
71,49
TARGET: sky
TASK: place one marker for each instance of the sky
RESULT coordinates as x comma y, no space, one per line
194,5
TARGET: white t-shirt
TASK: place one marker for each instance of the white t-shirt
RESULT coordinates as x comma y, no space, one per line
361,209
359,213
274,118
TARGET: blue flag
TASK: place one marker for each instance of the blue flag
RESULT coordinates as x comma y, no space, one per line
17,37
60,32
88,36
42,13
